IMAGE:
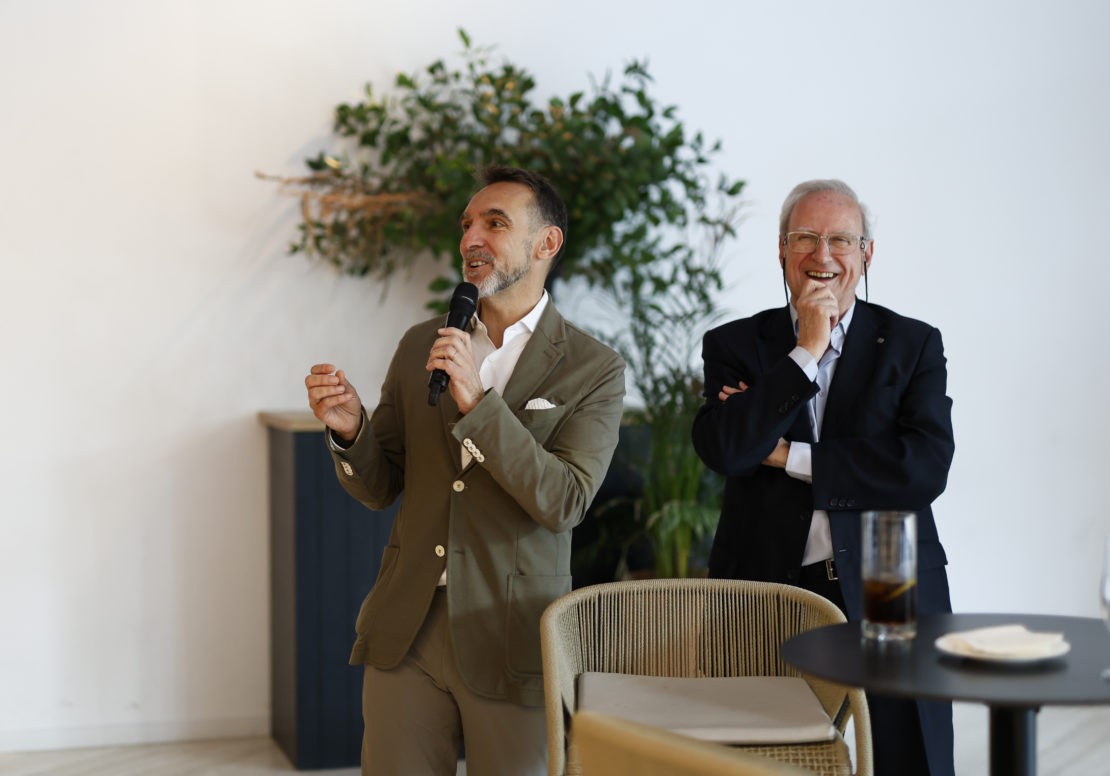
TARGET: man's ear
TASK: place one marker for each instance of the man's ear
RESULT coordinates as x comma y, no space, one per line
549,243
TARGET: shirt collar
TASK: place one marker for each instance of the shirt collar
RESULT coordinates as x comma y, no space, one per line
526,324
532,319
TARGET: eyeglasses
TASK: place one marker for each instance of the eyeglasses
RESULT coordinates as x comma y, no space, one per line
839,243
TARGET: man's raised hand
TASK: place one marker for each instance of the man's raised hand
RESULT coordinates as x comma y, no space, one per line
334,401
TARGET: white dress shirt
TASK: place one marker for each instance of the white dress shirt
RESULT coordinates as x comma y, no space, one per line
799,461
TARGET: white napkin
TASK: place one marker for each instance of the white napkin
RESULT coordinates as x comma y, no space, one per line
1007,641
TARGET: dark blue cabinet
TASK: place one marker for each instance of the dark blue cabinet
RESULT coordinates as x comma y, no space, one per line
325,551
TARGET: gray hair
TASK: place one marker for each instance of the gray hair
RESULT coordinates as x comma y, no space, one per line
803,190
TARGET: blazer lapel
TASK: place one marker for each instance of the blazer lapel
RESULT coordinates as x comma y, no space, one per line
776,339
862,348
543,351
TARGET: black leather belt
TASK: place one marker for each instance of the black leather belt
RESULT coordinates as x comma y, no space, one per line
824,569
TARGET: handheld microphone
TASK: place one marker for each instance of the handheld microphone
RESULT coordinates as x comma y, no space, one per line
463,304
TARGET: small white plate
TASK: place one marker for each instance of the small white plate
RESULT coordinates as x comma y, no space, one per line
953,646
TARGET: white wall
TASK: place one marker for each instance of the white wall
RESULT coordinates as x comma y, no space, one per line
148,310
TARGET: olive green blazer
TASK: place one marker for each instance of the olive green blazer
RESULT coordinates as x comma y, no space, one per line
501,526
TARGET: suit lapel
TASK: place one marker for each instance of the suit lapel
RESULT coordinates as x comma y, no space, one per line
776,339
543,351
862,348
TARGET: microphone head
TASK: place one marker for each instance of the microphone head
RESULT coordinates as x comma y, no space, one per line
465,299
464,303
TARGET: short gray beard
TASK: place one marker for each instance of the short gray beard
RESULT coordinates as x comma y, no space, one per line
498,280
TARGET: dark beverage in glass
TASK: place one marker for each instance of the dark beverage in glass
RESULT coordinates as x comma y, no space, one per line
890,603
889,572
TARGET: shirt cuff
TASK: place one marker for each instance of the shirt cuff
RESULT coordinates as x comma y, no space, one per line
337,445
805,361
799,461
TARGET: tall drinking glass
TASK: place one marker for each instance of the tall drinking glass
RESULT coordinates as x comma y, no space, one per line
889,575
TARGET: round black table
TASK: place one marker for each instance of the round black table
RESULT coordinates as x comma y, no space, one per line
1014,692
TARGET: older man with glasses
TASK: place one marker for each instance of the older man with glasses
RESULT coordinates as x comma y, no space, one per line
816,412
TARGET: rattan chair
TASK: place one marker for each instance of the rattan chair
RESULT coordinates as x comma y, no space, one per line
610,746
692,627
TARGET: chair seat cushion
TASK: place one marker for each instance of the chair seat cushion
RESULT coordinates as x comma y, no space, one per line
728,710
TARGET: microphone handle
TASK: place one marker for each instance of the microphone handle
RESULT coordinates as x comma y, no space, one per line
438,381
435,385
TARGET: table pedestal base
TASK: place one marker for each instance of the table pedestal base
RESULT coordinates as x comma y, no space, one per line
1013,744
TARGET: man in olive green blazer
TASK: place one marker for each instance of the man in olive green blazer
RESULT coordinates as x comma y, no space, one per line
494,478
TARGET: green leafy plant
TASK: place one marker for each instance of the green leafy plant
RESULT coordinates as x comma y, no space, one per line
680,501
404,170
647,223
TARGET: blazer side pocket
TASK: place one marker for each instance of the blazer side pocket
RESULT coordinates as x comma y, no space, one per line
529,595
389,563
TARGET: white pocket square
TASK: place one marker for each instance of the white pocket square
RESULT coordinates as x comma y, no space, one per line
539,404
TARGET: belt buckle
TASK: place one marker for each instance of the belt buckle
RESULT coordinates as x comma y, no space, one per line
830,570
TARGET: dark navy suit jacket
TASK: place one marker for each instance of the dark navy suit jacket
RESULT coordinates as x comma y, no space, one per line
886,443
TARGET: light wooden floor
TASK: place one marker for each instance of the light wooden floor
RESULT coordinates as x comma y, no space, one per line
1071,742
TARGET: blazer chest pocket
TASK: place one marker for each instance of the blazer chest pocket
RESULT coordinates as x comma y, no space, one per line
542,422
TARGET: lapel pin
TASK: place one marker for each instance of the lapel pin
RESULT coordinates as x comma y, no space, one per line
881,340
